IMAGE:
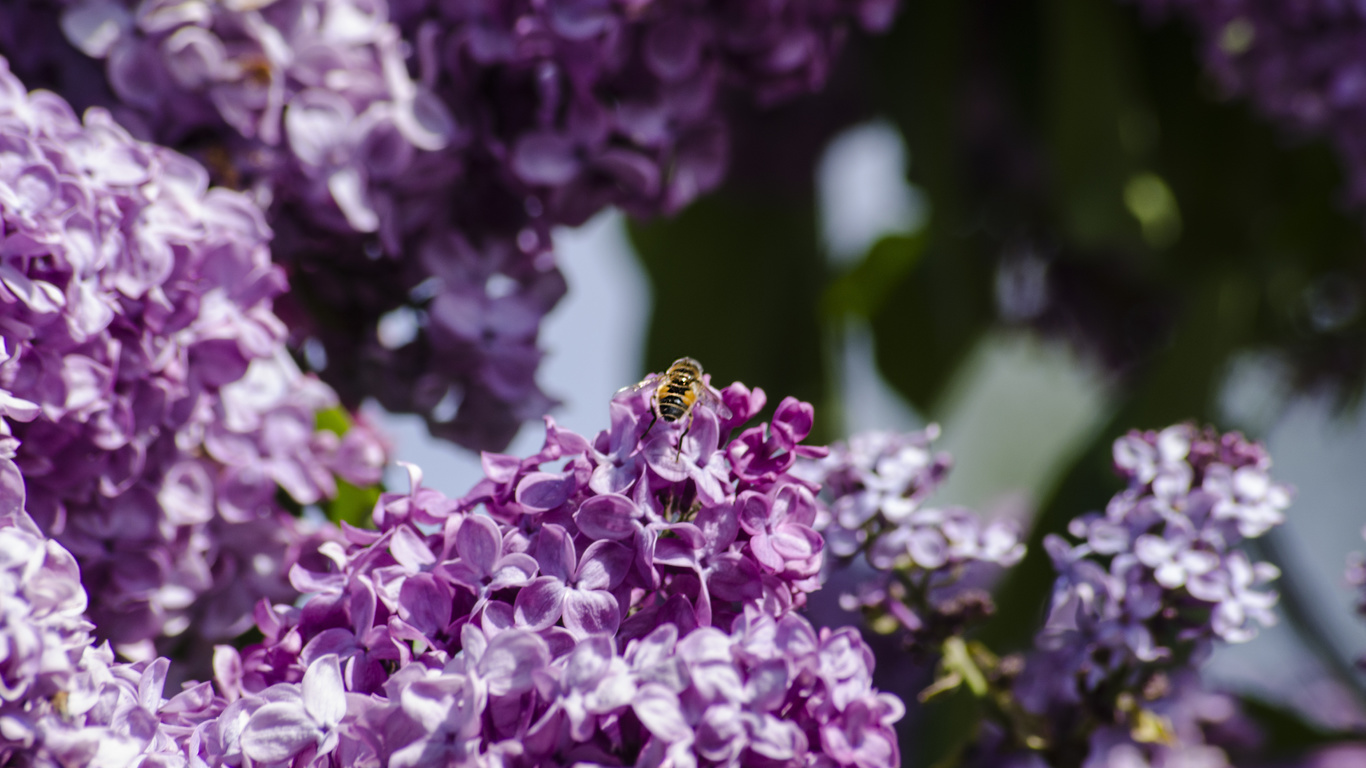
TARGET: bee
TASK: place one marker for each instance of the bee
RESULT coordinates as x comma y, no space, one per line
677,392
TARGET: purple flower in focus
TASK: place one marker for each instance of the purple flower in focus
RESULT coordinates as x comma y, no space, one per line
490,628
298,718
575,589
63,700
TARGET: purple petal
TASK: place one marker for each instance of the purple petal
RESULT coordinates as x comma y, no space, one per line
539,603
410,550
753,509
604,565
513,570
278,732
543,491
587,664
659,711
675,552
425,603
735,577
555,552
510,660
478,543
324,694
608,516
591,612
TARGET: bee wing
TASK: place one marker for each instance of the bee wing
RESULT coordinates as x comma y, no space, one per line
712,398
649,381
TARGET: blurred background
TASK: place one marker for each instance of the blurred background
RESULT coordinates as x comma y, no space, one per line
1038,224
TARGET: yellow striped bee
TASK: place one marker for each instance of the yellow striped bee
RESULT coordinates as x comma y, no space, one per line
677,391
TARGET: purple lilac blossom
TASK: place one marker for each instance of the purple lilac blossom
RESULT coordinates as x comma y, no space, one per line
149,405
1302,64
1158,576
63,700
599,602
414,155
930,562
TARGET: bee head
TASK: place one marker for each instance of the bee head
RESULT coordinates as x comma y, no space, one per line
686,368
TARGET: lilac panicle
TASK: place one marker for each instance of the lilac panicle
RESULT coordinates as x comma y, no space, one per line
146,397
63,700
415,155
931,561
1158,576
627,600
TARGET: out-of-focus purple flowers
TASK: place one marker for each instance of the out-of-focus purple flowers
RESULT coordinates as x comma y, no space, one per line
932,561
1157,577
63,700
149,406
415,155
1303,64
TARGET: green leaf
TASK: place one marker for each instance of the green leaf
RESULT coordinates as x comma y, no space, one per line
736,281
335,420
863,290
352,504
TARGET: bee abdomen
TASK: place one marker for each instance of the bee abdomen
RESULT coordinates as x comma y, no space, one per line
672,407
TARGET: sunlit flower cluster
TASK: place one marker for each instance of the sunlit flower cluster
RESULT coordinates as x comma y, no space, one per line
621,601
1303,64
147,402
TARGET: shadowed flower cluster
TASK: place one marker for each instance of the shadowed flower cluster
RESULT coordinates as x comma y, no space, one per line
932,562
145,396
415,155
1303,64
1154,579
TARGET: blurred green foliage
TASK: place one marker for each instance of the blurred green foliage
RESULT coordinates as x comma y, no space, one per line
1179,232
352,504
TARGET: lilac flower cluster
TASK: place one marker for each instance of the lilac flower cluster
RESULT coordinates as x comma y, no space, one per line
63,701
432,195
1157,577
144,393
632,607
932,562
1303,64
